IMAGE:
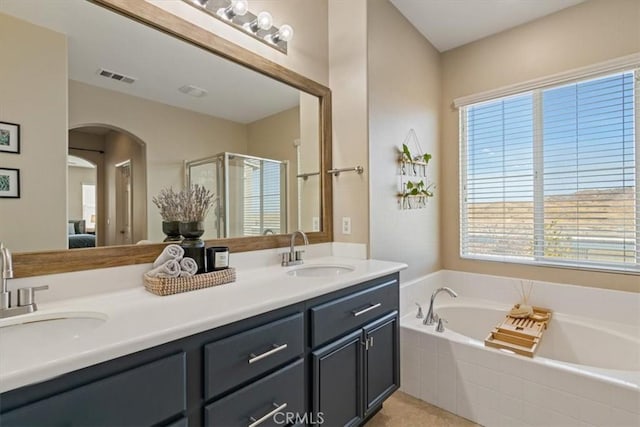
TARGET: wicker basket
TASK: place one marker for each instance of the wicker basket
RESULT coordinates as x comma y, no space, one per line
172,285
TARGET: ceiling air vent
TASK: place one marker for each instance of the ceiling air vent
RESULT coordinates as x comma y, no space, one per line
116,76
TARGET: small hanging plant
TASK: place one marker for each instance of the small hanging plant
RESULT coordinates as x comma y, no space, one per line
416,193
418,188
408,157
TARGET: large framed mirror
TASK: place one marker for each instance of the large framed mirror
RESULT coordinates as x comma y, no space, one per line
119,99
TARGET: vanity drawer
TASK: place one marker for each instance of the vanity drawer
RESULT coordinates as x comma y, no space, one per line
142,396
239,358
283,389
337,317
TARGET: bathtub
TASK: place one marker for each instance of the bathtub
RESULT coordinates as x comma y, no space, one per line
585,372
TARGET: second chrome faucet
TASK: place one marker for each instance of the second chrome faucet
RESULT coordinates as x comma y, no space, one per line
431,316
294,257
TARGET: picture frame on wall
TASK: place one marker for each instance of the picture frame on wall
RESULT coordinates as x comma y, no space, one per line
9,183
9,138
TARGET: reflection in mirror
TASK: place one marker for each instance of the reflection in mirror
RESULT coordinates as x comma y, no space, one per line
252,194
138,105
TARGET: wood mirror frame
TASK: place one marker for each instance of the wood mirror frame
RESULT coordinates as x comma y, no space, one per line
28,264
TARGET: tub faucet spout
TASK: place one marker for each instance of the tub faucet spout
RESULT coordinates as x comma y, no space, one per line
431,316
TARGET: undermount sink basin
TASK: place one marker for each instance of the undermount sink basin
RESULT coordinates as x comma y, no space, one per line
320,270
48,328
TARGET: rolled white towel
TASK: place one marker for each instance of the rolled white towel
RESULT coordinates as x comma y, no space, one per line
170,268
171,252
189,267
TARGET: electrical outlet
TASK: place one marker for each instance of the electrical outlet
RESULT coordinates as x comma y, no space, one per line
346,225
315,224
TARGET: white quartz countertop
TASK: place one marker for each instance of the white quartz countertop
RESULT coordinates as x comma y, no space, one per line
134,319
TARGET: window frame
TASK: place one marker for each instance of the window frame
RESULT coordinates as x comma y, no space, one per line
538,258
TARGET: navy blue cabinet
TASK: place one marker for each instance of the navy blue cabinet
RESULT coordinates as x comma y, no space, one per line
330,360
337,381
355,356
145,395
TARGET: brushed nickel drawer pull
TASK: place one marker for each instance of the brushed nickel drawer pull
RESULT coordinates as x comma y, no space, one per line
358,313
276,348
257,422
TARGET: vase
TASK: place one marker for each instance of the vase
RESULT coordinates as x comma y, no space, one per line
172,230
192,244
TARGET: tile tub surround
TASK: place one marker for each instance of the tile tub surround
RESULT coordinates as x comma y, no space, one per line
137,319
495,388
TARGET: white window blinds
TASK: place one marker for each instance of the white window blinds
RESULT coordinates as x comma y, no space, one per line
549,176
264,202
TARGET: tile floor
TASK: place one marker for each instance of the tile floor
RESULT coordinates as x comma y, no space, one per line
402,410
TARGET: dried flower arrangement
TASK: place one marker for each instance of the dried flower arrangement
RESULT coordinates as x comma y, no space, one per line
168,203
195,203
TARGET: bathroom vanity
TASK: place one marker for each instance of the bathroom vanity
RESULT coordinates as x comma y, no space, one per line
331,357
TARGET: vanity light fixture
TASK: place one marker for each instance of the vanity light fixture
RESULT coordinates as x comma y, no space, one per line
236,13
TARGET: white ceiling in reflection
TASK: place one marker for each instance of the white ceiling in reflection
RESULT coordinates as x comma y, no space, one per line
99,38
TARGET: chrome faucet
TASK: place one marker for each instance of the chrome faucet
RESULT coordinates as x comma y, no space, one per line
431,316
5,273
26,303
294,257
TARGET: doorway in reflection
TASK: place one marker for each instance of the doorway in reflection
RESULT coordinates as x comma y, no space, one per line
117,213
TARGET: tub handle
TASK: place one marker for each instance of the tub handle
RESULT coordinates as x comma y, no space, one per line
419,315
440,327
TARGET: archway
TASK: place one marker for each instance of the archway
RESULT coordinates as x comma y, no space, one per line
121,206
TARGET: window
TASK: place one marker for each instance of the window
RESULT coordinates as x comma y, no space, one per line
263,207
549,176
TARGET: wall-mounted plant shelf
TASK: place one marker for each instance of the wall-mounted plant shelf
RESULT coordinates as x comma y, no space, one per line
414,185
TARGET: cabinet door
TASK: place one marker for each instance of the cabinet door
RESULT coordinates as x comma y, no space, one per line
337,381
381,360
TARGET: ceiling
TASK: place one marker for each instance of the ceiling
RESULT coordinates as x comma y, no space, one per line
98,38
448,24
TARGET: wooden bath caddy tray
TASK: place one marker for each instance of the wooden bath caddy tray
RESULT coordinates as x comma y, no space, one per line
173,285
521,336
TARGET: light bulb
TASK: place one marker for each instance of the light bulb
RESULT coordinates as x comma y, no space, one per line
285,34
239,7
264,21
236,8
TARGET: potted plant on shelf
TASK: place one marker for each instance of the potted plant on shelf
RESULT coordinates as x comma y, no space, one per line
417,191
415,161
195,203
168,203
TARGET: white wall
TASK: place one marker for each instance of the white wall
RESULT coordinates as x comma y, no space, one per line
348,82
309,161
77,177
404,93
171,136
33,93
